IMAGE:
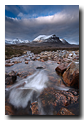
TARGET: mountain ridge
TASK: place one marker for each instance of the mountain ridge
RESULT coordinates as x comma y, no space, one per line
49,38
16,41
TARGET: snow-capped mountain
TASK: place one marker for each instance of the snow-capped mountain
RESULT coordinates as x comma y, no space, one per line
64,41
16,41
49,38
46,38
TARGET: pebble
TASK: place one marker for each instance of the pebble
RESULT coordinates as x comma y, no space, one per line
26,62
60,56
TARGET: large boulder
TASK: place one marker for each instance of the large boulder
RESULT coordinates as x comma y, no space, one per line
71,75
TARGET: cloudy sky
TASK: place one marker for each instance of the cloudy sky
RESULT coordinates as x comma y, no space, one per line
29,21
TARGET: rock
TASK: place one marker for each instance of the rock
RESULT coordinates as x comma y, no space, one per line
42,60
71,75
62,67
23,74
33,58
10,78
52,98
9,64
27,59
25,52
58,62
44,57
7,61
64,111
11,110
34,108
37,58
66,60
17,62
39,68
26,62
76,58
19,73
8,110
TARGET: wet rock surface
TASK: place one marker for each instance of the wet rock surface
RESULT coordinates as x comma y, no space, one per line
64,111
71,75
52,100
62,67
10,78
55,99
9,64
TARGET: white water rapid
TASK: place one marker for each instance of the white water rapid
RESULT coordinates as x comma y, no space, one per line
28,89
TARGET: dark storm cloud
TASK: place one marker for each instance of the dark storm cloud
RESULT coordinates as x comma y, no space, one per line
65,24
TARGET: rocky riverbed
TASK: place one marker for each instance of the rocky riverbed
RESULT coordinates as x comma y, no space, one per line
42,84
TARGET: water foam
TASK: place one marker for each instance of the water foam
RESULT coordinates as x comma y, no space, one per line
28,89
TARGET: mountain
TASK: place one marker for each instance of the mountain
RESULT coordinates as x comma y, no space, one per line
16,41
49,38
64,41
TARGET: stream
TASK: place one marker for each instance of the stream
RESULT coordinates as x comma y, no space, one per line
40,75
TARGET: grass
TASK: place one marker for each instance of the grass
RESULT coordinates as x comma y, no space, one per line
18,50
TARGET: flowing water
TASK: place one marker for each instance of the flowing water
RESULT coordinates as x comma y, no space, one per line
41,75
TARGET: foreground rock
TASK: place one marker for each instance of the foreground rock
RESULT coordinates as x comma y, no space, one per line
10,110
34,108
64,111
71,75
10,78
52,100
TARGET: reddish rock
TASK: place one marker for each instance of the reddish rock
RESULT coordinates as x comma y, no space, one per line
76,58
34,108
26,62
55,98
7,61
8,86
44,57
58,62
10,78
42,60
71,75
19,73
9,64
11,110
66,60
8,110
64,111
17,62
61,68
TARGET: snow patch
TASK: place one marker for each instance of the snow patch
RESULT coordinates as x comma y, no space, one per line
16,41
46,38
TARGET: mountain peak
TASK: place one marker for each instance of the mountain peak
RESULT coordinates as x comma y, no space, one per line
46,38
50,38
